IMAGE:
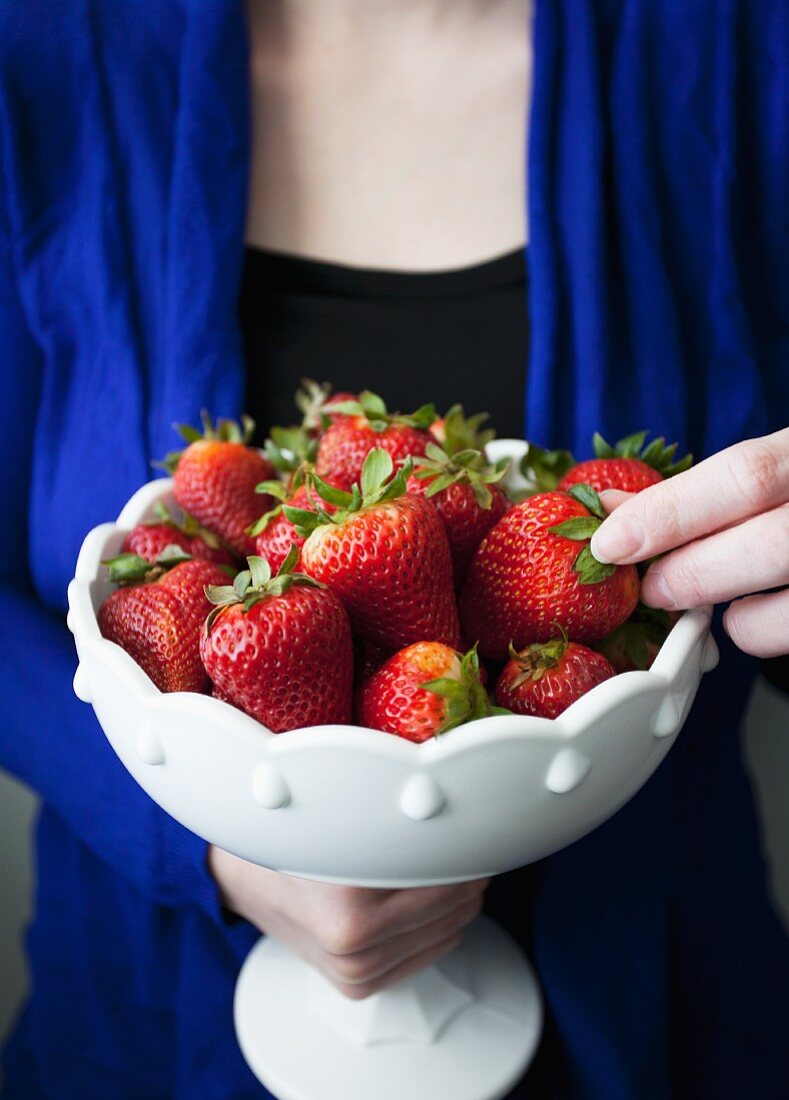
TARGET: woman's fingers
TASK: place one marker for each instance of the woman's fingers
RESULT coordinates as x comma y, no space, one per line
742,481
760,624
376,965
406,910
350,920
749,557
414,965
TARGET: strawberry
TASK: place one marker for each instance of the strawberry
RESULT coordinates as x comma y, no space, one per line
629,466
274,533
634,645
456,432
279,648
158,622
463,492
367,424
148,540
423,691
214,479
385,553
527,573
545,678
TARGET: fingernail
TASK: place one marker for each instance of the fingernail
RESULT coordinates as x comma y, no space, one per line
617,538
656,592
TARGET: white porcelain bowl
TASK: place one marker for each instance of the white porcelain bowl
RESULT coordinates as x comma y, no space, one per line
363,807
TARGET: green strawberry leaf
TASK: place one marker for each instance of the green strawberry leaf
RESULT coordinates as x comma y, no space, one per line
601,448
545,469
438,484
303,520
461,432
273,489
330,493
347,408
656,454
242,583
372,405
127,568
588,496
291,558
590,570
377,467
579,527
260,571
424,416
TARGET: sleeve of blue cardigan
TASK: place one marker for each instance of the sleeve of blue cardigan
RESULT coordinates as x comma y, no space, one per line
48,739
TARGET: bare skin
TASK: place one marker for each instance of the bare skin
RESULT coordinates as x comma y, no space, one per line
389,133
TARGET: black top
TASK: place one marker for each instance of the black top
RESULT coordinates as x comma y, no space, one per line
412,337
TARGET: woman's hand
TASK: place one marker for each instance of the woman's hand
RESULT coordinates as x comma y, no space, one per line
723,527
361,940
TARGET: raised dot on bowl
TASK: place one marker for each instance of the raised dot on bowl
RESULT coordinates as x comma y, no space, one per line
149,748
667,717
269,788
566,771
422,798
82,685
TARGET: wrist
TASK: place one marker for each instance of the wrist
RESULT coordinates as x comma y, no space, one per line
223,868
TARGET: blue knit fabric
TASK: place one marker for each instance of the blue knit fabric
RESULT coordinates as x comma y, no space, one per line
659,298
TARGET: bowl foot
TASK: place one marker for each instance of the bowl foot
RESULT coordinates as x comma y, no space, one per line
464,1029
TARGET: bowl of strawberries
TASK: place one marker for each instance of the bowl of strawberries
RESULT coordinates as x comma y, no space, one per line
380,652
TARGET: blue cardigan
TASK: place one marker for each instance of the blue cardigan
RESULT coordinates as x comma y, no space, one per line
659,297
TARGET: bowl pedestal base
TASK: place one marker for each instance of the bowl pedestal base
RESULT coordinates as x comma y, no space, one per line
464,1029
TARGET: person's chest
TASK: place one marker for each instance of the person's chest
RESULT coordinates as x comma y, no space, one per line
403,152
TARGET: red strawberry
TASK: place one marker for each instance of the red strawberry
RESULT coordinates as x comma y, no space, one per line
386,556
463,492
367,424
528,574
628,466
545,678
148,540
158,622
423,691
275,534
631,475
214,478
279,648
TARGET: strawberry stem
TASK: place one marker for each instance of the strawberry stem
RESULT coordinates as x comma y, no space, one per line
379,483
581,529
467,699
129,568
656,454
256,583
